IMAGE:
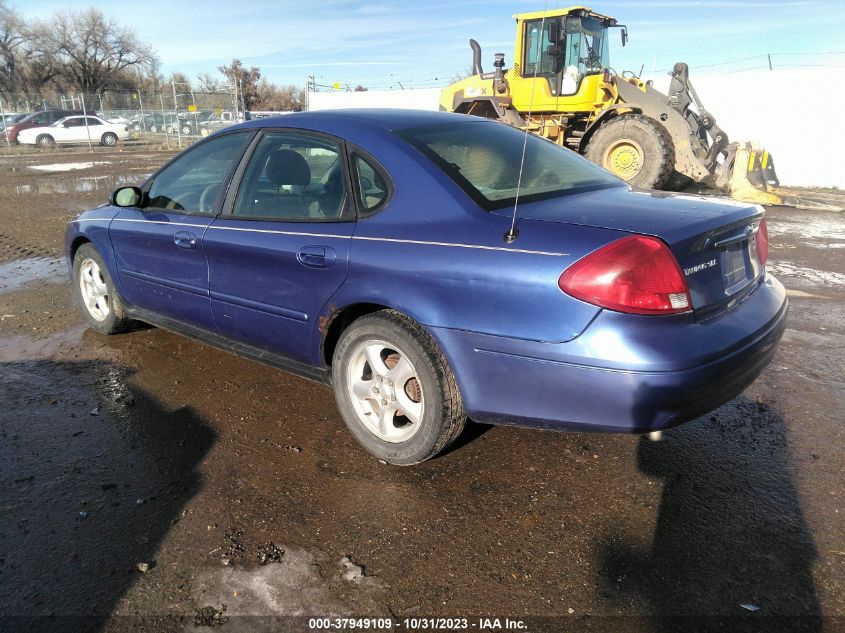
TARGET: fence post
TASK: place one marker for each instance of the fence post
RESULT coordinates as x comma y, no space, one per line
85,118
6,136
164,120
176,110
141,108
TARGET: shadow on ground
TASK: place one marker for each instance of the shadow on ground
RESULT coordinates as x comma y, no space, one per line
729,532
92,476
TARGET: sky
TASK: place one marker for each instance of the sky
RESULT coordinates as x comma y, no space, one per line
393,44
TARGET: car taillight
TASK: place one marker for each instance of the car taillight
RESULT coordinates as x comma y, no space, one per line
636,274
762,242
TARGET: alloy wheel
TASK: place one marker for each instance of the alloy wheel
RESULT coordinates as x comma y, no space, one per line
94,290
386,391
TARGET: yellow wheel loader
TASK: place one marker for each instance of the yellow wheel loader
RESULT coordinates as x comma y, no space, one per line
561,86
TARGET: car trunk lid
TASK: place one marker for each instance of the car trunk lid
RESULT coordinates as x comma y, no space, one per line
713,240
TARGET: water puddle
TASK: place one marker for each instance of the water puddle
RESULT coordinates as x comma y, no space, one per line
16,348
21,272
82,184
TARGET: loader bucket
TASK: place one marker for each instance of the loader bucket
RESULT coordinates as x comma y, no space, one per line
753,179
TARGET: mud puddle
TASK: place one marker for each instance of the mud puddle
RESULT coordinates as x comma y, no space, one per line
81,184
22,272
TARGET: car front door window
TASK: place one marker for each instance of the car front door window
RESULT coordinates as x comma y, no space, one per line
192,182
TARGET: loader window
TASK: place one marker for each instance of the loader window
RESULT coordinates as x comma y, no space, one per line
537,58
586,51
483,158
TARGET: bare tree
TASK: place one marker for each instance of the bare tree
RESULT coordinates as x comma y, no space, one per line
246,79
360,88
97,51
12,38
209,83
279,98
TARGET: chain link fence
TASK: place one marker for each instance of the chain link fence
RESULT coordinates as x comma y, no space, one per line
172,117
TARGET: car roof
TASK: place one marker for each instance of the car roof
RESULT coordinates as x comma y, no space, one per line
64,113
384,119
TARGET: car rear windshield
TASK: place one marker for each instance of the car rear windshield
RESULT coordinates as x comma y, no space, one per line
484,159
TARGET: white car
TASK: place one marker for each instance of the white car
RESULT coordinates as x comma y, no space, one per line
73,129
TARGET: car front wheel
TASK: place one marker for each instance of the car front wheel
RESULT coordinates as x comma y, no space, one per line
109,139
95,292
395,390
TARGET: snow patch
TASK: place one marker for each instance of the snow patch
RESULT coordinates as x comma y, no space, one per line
69,166
811,276
811,228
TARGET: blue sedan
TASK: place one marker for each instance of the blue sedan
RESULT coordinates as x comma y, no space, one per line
433,267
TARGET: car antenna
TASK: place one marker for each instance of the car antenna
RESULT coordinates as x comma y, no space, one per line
513,232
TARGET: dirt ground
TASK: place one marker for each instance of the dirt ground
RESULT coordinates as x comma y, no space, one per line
148,482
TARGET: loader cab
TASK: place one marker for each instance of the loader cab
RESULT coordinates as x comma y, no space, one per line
563,48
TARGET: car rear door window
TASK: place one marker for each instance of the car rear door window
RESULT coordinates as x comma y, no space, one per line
93,121
192,182
293,176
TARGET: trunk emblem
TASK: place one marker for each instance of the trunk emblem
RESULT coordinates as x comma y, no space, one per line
699,267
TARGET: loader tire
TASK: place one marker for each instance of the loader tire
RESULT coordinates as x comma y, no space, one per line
635,148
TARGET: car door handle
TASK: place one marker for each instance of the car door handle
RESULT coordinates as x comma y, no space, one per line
184,239
316,256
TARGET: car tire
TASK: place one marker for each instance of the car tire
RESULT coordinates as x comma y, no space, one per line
109,139
45,141
94,292
635,148
186,130
387,363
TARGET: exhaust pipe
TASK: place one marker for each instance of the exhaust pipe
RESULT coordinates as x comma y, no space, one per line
499,80
476,58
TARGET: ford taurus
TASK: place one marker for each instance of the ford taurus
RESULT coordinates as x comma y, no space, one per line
432,267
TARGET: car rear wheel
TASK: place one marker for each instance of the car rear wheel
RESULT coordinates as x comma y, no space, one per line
186,130
95,292
395,390
109,139
45,140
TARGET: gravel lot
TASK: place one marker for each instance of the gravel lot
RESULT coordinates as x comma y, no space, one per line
153,483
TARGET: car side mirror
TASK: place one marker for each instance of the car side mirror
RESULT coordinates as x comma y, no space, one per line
126,197
624,35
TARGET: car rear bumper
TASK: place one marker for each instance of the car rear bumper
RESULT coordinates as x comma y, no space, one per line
624,373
